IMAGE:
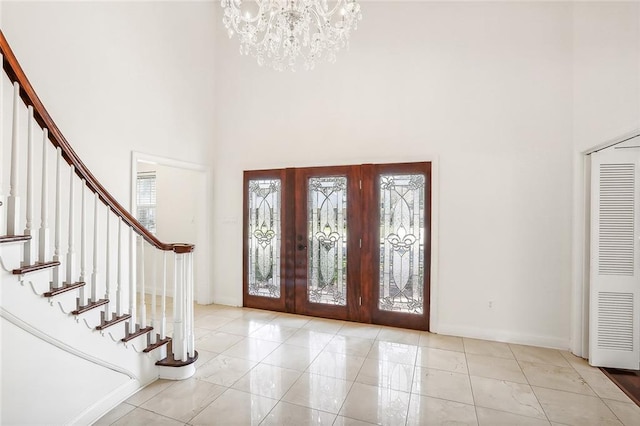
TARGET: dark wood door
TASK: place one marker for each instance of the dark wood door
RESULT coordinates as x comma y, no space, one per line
344,242
327,239
397,265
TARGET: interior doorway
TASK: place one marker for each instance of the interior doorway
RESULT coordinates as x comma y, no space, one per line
343,242
170,198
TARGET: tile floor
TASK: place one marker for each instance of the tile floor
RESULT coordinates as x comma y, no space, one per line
260,367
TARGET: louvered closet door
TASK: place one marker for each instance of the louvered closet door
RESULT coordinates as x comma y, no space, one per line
615,259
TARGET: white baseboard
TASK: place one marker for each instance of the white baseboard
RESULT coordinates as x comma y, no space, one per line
504,336
106,404
228,301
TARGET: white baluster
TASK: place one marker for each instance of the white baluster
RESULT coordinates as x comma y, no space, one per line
183,304
141,283
28,245
154,293
94,274
119,278
179,347
189,301
163,319
132,281
107,272
70,253
82,297
13,202
43,246
57,275
177,323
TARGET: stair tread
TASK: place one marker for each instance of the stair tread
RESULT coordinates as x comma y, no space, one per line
65,287
14,238
138,333
89,306
158,343
113,321
170,361
35,267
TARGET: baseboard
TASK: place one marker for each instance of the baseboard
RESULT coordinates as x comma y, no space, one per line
504,336
228,301
106,404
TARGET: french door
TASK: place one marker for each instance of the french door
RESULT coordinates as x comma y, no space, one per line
343,242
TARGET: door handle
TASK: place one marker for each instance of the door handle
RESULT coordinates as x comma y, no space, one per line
301,247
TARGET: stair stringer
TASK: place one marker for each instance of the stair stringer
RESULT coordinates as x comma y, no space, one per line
45,320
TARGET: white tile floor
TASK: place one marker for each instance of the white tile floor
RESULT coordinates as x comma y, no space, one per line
259,367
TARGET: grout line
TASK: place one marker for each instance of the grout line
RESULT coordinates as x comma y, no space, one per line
473,395
529,384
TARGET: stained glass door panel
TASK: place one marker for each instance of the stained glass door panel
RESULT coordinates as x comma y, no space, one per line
263,235
327,240
401,242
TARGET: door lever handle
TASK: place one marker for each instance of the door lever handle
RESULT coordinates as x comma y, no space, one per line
301,247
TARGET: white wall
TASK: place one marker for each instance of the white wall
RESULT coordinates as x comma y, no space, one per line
482,88
606,72
120,77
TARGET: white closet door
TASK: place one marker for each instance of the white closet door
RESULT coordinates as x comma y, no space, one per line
614,326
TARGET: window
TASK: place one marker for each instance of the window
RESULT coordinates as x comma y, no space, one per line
146,200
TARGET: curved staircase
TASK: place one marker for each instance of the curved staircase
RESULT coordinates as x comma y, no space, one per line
85,315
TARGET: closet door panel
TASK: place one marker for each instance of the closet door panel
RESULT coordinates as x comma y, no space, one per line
614,326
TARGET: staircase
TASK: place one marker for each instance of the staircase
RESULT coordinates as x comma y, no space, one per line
85,316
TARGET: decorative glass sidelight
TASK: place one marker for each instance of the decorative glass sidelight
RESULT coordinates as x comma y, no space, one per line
402,204
264,237
327,241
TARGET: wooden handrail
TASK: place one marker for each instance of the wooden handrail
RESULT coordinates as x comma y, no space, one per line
13,69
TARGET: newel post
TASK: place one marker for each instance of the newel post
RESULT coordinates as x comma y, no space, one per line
180,363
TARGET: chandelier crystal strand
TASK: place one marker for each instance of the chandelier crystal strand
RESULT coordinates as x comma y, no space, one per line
285,33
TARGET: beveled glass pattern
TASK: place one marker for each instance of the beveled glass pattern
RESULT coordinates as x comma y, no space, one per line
402,203
327,240
264,237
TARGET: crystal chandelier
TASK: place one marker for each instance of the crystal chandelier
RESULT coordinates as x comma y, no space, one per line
286,33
